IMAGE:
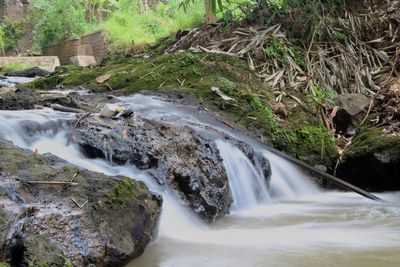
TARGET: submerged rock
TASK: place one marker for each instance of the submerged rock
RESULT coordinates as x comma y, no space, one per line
104,221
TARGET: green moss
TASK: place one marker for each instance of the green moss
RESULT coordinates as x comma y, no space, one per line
42,253
313,143
123,190
14,67
373,141
4,264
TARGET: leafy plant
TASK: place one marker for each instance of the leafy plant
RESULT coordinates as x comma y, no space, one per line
57,20
10,32
129,24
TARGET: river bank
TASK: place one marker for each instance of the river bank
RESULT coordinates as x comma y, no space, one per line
266,219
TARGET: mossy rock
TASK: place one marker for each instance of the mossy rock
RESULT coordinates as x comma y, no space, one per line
373,161
54,230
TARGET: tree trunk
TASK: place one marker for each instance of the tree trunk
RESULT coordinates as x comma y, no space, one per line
89,11
210,18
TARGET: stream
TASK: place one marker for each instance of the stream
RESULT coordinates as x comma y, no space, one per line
291,222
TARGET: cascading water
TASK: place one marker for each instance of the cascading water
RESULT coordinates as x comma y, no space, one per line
247,185
292,224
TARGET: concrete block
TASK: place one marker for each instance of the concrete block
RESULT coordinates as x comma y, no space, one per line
83,61
84,50
48,63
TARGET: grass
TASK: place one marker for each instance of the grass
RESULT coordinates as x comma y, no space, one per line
15,67
134,26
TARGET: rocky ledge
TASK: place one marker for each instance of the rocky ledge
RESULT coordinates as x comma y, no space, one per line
185,160
94,220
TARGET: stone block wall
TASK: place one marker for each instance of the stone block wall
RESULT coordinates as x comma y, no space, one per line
17,10
94,43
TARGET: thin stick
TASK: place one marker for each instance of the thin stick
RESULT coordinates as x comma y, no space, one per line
369,110
76,203
81,118
52,183
109,87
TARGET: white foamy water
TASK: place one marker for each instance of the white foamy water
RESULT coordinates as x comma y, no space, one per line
292,224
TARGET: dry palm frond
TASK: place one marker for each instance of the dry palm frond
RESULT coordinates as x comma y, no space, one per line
346,53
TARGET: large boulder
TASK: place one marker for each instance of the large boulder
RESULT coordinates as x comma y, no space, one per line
173,155
186,160
95,221
372,162
352,109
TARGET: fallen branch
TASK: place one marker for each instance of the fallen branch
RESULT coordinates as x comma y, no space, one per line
109,87
52,183
228,124
61,108
81,118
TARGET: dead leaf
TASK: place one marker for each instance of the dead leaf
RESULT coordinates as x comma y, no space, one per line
125,134
103,78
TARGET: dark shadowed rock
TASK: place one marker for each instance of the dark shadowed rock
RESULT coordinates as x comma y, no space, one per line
41,223
29,73
352,110
373,161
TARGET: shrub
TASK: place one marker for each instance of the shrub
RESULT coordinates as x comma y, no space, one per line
57,20
10,32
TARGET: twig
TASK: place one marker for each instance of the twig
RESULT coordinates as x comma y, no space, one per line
152,71
162,84
109,87
81,118
229,124
369,110
182,83
341,156
76,203
52,183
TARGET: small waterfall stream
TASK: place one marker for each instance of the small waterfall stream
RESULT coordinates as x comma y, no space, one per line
287,223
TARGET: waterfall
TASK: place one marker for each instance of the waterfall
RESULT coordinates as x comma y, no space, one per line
288,181
247,185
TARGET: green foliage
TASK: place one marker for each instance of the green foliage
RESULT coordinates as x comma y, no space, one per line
1,39
10,32
57,20
4,264
130,25
323,96
14,67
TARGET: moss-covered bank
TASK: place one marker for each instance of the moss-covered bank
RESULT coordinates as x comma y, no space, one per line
373,160
301,134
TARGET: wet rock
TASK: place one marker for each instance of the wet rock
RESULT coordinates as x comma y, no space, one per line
29,73
352,110
42,223
373,161
27,99
176,156
173,155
